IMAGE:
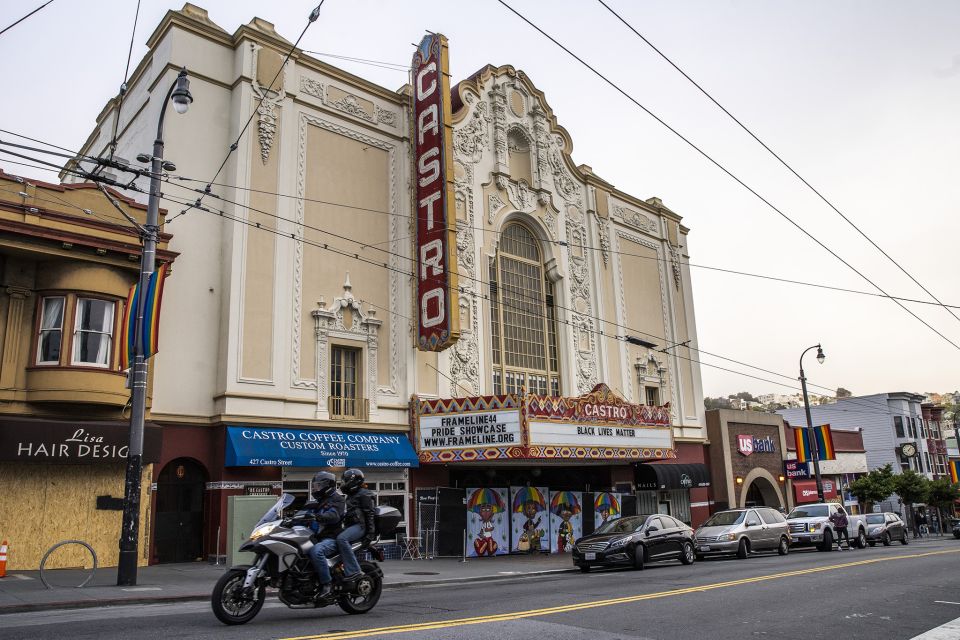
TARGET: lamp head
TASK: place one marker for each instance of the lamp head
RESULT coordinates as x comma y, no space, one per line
181,93
820,356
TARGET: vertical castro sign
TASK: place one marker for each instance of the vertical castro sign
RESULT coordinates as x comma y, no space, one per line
438,309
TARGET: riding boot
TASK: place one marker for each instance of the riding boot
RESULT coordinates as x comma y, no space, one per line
324,591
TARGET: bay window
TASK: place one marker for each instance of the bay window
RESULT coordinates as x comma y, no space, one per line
93,332
51,330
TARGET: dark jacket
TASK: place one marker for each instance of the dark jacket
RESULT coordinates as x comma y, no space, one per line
839,520
361,509
329,515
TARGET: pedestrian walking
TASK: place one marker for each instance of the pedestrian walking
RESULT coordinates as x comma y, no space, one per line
840,522
917,525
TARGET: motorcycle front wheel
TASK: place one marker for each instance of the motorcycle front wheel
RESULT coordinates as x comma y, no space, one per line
366,591
230,604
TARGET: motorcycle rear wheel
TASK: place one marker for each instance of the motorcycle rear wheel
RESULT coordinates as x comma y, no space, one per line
366,592
229,605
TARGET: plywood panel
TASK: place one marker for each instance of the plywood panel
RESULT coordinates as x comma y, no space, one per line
41,505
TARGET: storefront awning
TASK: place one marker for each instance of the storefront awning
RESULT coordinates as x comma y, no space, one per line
665,475
805,491
268,447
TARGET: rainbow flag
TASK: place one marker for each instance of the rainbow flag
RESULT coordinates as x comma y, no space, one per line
151,318
954,470
824,442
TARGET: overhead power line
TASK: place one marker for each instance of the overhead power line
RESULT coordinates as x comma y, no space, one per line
717,164
123,85
779,158
171,177
12,25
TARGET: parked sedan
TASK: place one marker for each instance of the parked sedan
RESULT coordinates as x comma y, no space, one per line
635,540
885,528
743,531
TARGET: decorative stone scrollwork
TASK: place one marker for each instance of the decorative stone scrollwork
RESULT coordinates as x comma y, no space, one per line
494,204
349,104
635,219
364,326
471,139
465,353
520,195
604,235
386,117
311,87
566,185
675,264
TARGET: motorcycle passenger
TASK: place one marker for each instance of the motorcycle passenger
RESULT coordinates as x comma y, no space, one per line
328,511
358,520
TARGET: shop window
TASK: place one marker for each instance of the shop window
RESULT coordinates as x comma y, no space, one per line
345,400
653,396
51,330
898,425
93,333
525,353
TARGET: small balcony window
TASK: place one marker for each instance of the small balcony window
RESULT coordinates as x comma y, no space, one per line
93,334
51,330
345,402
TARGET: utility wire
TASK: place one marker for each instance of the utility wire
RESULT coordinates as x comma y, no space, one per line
391,66
170,177
123,85
11,26
777,156
233,147
724,169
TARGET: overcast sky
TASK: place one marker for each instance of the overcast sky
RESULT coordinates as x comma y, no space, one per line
862,98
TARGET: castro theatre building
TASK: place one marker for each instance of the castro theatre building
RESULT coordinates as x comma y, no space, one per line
496,315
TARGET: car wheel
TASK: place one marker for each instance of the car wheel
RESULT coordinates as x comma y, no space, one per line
784,547
872,543
743,549
584,568
638,557
827,544
861,540
687,556
903,539
885,539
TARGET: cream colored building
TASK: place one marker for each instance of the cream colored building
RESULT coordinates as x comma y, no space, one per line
300,314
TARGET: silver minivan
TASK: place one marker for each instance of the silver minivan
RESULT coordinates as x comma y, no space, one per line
742,532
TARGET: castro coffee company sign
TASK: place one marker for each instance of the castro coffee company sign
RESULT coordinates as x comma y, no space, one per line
48,441
438,308
752,444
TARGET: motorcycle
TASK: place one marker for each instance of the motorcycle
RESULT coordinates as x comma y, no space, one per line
282,562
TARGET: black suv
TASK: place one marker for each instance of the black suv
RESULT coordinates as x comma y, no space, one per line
635,540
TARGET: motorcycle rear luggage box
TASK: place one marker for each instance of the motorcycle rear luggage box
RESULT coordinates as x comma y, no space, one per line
387,519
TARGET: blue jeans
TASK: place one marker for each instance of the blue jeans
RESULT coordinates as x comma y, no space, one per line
319,554
347,537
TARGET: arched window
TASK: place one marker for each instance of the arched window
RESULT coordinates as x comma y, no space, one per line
522,317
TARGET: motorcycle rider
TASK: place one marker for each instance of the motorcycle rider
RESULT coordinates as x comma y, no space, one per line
358,520
328,515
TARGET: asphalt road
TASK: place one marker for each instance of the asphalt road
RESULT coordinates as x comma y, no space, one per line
880,593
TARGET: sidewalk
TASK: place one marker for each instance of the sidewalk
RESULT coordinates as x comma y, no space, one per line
23,590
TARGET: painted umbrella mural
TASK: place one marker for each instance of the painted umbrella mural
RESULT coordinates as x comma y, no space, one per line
606,501
528,494
564,501
483,497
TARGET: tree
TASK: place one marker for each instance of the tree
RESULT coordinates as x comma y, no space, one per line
717,403
873,487
744,395
942,493
911,487
843,393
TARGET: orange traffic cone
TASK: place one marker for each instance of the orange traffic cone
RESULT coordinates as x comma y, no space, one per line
3,559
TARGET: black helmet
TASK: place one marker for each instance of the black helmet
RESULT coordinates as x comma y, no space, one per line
352,481
323,485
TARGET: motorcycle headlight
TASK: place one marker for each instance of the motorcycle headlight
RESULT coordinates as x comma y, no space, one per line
263,530
619,542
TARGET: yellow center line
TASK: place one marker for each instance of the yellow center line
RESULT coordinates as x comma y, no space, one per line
516,615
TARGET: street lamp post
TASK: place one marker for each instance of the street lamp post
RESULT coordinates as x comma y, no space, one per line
179,94
806,404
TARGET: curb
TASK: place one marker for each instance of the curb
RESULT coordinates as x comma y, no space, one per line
115,602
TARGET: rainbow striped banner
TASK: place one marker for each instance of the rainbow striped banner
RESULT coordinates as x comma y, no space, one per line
824,441
954,470
151,318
